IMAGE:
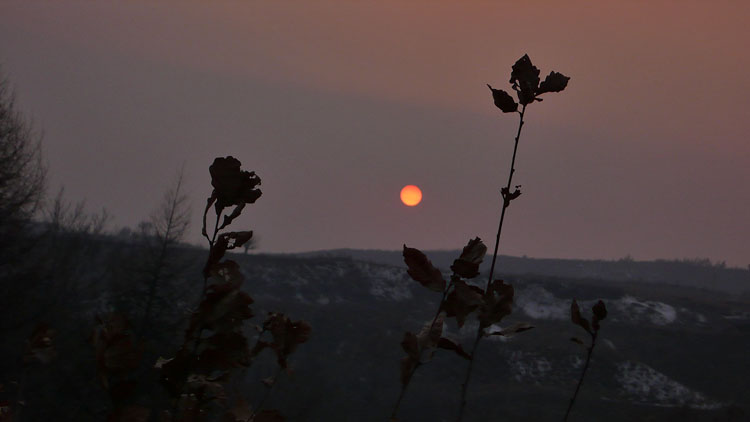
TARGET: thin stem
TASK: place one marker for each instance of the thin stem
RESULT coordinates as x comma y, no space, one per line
266,395
506,203
465,385
200,331
413,370
583,374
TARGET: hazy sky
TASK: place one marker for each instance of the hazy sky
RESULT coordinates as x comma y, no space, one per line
338,104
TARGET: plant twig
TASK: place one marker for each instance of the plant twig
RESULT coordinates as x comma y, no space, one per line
583,374
413,370
506,203
266,395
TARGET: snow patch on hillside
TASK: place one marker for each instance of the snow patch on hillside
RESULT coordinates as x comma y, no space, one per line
539,303
387,282
645,385
528,367
658,313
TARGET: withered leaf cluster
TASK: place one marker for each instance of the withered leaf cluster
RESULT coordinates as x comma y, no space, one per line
460,300
40,345
118,354
215,342
599,313
524,80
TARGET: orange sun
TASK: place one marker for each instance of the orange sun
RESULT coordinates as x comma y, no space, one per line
411,195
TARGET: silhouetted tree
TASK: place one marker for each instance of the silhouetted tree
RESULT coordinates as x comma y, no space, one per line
22,177
169,223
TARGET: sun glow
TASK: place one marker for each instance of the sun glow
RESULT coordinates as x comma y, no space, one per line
411,195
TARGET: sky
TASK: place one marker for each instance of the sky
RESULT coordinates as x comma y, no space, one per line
339,104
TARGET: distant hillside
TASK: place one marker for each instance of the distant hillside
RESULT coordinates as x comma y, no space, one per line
694,273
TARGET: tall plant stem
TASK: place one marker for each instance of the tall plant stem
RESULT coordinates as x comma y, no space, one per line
480,330
583,374
194,352
413,370
267,394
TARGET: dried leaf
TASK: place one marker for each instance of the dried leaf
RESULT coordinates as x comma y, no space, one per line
503,100
430,334
117,352
287,335
554,82
39,346
232,186
227,272
225,242
223,308
497,303
525,80
467,265
600,312
575,316
462,301
448,344
421,269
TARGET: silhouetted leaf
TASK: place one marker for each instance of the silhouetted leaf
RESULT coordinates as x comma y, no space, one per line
462,301
577,340
227,272
429,336
448,344
232,186
117,352
223,308
503,100
525,80
39,346
224,242
600,312
508,195
287,335
421,269
513,329
228,218
554,82
575,316
467,265
497,303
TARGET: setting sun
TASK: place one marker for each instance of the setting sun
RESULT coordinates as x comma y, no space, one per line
411,195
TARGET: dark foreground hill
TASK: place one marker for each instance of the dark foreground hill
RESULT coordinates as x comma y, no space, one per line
666,352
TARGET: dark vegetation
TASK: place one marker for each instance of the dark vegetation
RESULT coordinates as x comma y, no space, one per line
139,326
